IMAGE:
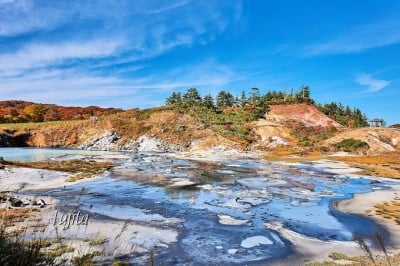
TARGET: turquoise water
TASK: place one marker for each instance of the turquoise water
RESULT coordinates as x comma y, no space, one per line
35,154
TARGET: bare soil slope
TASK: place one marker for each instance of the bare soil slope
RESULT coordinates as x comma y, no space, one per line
305,113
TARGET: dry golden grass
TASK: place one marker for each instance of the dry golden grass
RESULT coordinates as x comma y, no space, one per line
342,259
385,165
31,126
81,169
292,155
98,241
59,250
389,210
11,216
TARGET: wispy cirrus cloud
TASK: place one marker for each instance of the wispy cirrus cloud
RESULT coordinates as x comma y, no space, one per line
358,39
125,31
44,85
372,84
45,54
95,50
168,7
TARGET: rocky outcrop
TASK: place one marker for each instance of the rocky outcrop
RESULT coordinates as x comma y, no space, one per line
105,142
14,140
145,143
271,143
112,141
271,134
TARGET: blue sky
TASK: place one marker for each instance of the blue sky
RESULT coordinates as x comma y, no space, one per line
134,53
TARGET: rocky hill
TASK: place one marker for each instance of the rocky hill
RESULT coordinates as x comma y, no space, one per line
299,127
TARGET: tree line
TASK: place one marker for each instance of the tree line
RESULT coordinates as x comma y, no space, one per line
258,102
226,99
345,115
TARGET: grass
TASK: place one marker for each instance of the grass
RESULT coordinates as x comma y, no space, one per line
389,210
119,263
292,155
357,260
13,252
58,251
384,165
343,259
339,256
232,124
31,125
368,259
81,169
86,260
13,249
11,216
98,241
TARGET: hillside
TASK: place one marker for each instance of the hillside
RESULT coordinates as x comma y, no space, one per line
157,129
307,114
379,140
300,127
22,111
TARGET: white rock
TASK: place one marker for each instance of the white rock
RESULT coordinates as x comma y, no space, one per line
232,251
254,241
226,219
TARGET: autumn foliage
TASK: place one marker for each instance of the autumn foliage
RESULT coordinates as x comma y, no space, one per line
22,111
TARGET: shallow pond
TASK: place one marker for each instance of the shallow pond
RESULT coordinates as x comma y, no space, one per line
35,154
223,208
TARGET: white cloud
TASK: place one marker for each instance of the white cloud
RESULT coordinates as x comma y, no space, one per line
373,85
70,87
43,55
73,52
122,32
358,39
168,8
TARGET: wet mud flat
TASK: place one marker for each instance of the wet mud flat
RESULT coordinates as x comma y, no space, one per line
221,212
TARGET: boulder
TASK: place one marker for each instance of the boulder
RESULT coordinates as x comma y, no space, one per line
14,202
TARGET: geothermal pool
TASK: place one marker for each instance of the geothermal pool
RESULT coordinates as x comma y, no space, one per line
35,154
222,210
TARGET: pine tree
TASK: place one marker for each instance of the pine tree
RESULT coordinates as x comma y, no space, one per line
243,99
255,96
174,99
225,99
208,101
192,97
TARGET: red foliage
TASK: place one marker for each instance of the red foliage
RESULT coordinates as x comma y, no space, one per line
14,111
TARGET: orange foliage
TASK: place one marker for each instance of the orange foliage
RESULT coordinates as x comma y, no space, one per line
22,111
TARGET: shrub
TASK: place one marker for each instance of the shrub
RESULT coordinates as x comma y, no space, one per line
351,145
305,141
